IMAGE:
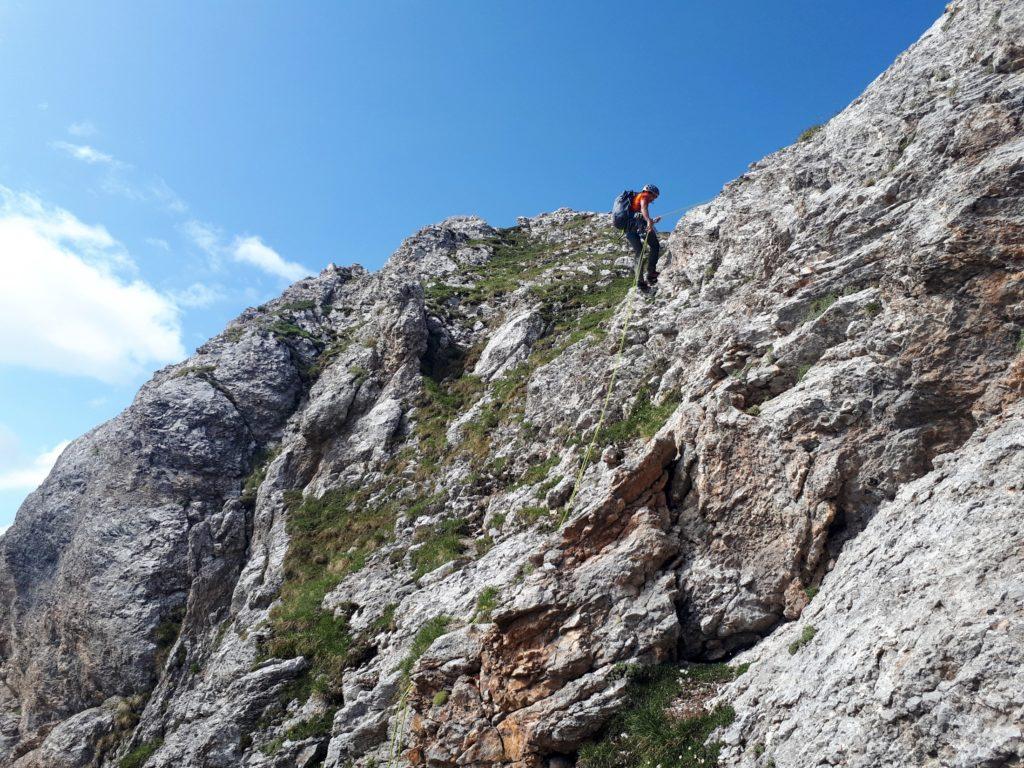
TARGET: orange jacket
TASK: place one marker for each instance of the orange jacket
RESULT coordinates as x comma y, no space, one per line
639,199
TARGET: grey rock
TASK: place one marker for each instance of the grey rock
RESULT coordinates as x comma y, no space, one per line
509,345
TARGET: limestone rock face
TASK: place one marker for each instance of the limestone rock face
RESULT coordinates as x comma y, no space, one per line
372,522
918,653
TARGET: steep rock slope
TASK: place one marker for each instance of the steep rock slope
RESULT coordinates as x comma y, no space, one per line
339,533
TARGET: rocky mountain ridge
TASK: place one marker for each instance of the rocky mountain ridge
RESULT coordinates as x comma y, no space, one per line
340,533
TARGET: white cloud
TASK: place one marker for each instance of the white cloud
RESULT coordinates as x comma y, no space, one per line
160,192
197,295
29,475
85,153
249,250
206,236
82,129
158,242
252,250
69,300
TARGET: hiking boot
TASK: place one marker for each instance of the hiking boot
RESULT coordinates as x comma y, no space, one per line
652,277
643,285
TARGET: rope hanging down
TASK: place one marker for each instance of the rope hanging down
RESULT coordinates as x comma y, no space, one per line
611,385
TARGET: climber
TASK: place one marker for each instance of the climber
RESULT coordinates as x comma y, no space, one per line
641,229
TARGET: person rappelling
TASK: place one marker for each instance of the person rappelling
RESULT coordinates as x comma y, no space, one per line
631,213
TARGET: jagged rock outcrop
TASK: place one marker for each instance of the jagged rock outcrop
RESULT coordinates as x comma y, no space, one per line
348,530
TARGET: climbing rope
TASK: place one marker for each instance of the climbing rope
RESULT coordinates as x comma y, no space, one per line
611,385
403,716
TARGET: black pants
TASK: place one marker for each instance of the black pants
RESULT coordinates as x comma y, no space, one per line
653,248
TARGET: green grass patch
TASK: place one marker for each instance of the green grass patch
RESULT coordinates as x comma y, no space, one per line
483,545
1020,342
440,699
166,634
539,472
801,370
138,756
441,545
330,537
199,371
644,734
325,358
644,419
872,308
806,636
532,514
252,483
317,727
819,305
486,602
439,404
425,505
810,133
425,636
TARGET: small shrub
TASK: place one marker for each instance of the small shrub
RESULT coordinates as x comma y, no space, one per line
359,374
1020,342
802,370
810,133
819,305
810,592
138,756
754,410
199,371
905,142
525,570
298,306
872,308
425,636
440,698
806,636
166,633
486,602
285,330
273,746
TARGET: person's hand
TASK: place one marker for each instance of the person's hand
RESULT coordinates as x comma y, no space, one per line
657,219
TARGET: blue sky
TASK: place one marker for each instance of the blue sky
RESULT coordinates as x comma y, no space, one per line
165,165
